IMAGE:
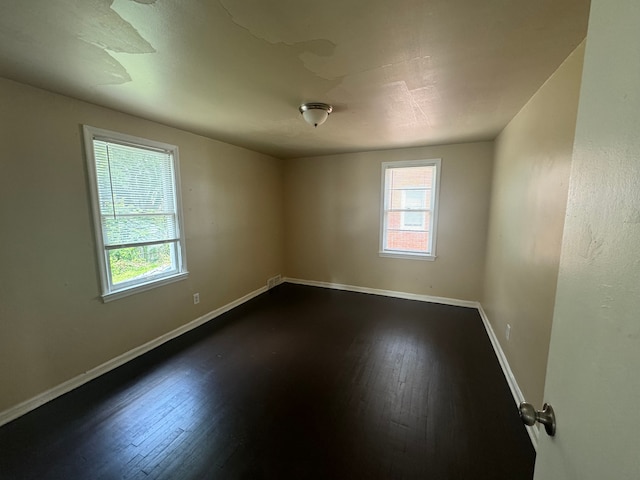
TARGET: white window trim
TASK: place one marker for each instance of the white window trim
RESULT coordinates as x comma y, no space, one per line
435,192
110,293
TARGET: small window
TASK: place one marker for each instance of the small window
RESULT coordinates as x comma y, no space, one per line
136,207
409,208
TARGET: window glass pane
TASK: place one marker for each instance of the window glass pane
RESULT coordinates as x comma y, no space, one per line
139,263
412,177
413,219
408,204
396,200
415,198
394,220
408,240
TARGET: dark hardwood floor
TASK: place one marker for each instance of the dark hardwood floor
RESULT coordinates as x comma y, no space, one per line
299,383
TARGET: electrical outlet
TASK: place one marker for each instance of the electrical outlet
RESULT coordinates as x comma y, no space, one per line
196,298
507,331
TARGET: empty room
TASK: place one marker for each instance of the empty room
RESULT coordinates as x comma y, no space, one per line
332,240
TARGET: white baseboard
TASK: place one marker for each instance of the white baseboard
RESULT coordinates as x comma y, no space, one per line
508,373
385,293
502,359
18,410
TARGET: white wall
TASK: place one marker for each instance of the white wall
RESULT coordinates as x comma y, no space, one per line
333,221
528,202
53,325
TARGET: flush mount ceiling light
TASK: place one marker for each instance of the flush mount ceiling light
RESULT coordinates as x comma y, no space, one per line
315,113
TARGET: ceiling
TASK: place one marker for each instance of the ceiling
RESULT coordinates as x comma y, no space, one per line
399,73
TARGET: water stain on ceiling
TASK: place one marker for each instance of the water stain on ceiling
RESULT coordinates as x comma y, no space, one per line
403,73
64,37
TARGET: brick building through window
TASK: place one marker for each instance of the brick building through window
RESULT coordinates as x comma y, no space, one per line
409,201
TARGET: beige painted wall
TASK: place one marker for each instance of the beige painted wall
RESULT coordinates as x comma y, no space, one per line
333,222
528,204
53,325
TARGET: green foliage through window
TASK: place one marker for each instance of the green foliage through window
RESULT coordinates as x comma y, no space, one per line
139,262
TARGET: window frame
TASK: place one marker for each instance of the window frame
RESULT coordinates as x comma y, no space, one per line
435,192
109,291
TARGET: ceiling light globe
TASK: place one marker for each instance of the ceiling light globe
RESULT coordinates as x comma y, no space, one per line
315,113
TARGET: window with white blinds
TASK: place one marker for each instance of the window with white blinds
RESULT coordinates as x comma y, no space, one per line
409,209
136,204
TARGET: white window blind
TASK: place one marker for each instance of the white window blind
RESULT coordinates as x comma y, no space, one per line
136,199
137,195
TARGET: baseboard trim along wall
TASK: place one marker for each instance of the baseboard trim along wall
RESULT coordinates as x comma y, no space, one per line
502,359
508,373
33,403
385,293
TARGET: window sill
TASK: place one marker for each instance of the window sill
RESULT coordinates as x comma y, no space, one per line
125,292
408,256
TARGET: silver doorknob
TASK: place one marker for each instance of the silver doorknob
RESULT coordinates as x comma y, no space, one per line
546,416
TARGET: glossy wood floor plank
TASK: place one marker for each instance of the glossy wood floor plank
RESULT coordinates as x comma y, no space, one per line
299,383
